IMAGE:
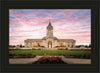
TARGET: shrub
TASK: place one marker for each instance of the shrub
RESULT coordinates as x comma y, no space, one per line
33,49
11,55
62,49
39,48
77,56
66,48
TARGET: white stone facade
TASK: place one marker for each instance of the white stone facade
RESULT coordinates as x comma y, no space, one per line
50,41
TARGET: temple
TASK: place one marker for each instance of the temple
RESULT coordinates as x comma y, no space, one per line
49,41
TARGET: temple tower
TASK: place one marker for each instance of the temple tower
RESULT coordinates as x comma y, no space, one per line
49,30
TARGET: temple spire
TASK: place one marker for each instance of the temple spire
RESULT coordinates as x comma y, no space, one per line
49,26
49,23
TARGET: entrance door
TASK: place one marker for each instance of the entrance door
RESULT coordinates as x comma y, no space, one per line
49,44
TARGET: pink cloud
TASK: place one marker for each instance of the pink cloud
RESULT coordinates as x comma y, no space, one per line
12,22
21,14
33,25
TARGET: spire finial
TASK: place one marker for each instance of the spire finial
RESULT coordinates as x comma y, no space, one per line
49,23
49,20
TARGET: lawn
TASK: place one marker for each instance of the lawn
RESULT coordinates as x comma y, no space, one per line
51,52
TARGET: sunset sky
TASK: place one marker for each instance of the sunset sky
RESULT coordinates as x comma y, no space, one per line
67,24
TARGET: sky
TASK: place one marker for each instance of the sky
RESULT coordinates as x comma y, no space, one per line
67,24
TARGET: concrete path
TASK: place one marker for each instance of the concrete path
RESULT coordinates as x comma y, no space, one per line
23,60
31,60
76,60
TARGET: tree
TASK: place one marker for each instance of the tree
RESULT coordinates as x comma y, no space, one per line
20,45
89,45
10,45
13,46
86,46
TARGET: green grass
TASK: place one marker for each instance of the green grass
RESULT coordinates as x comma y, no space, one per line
51,52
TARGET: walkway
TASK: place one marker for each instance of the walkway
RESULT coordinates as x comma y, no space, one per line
31,60
23,60
76,60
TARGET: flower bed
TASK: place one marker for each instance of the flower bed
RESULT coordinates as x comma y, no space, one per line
16,55
25,56
77,56
50,60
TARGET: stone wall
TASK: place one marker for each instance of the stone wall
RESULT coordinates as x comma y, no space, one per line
54,43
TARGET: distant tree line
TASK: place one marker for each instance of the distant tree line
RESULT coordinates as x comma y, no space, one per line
16,45
87,46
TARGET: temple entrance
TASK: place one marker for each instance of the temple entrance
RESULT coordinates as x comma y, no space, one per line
49,44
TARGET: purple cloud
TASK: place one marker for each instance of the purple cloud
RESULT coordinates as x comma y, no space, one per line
32,23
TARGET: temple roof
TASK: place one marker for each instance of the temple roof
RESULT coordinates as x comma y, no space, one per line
44,38
68,40
55,38
29,40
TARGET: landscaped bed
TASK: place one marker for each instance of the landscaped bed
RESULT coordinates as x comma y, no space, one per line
49,60
51,52
16,55
78,56
66,53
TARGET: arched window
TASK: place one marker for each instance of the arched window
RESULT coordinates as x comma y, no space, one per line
68,44
72,45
